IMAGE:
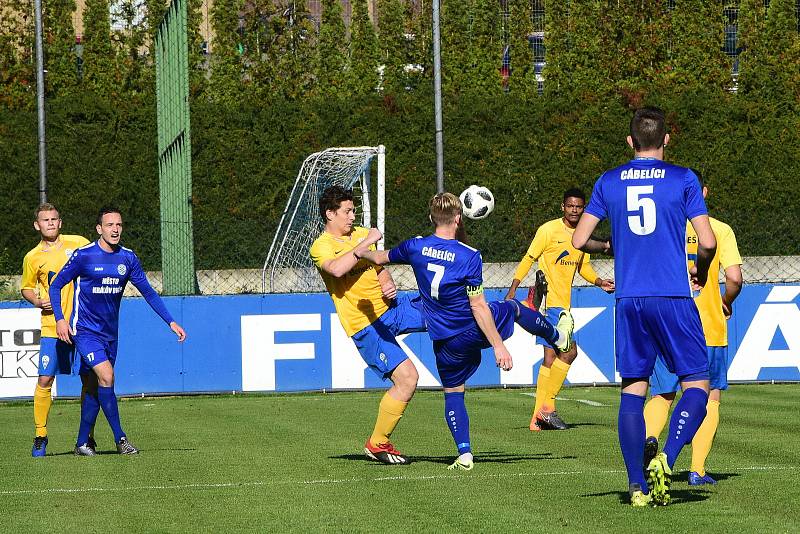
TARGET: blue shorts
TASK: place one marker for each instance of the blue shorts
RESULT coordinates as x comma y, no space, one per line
458,357
669,326
662,381
94,351
377,344
551,314
56,357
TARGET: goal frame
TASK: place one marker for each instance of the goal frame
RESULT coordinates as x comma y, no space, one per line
306,175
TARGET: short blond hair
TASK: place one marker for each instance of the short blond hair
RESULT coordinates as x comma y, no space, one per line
45,206
443,208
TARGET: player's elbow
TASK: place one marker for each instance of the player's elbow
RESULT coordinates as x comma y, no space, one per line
733,277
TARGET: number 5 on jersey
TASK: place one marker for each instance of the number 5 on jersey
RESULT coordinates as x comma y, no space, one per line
644,222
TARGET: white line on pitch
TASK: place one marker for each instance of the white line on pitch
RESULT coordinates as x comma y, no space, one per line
582,401
346,481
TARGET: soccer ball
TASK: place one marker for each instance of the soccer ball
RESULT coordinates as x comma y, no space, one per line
478,202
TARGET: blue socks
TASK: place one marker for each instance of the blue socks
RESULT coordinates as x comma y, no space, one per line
534,323
455,415
108,401
686,418
90,407
631,431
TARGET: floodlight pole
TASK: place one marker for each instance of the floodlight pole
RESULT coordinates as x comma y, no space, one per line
40,103
437,98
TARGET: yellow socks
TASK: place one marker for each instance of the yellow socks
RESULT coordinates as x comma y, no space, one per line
542,385
656,413
41,409
704,438
558,374
390,411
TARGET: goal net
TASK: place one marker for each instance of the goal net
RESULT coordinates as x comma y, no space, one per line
288,267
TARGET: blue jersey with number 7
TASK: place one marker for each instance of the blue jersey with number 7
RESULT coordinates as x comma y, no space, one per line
444,269
648,202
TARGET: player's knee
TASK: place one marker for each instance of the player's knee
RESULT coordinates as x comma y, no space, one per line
406,375
45,381
569,356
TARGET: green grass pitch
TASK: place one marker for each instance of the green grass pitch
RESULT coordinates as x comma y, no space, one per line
279,463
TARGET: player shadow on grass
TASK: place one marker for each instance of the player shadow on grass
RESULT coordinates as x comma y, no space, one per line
115,453
569,425
677,496
487,457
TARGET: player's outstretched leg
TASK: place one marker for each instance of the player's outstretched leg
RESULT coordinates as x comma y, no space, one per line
457,419
535,323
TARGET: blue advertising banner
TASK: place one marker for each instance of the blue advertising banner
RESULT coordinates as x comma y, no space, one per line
294,342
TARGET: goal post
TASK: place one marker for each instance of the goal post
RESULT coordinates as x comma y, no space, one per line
288,267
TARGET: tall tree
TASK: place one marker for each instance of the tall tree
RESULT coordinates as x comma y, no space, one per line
363,75
751,37
331,61
225,81
59,46
295,46
696,56
393,44
100,66
577,38
485,52
456,37
17,78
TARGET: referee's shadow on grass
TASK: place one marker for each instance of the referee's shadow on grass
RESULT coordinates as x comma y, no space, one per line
488,457
677,497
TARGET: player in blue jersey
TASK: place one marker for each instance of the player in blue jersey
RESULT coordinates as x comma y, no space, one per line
460,322
648,202
103,269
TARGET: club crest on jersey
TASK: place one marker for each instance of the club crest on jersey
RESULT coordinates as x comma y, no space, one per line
68,252
121,269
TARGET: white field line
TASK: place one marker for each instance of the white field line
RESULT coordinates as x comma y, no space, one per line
354,480
582,401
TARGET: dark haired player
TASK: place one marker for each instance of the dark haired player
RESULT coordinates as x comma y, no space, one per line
370,311
103,269
558,262
648,202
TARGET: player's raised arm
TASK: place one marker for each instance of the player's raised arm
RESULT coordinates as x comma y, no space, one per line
706,247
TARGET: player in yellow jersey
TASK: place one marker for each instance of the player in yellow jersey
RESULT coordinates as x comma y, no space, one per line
715,309
371,312
558,260
39,268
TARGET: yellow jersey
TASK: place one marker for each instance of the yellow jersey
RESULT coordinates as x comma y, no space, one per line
357,295
39,268
709,302
559,261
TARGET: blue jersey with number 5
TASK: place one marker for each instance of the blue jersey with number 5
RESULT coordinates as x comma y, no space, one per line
444,268
648,202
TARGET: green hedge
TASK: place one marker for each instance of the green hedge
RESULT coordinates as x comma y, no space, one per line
527,151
